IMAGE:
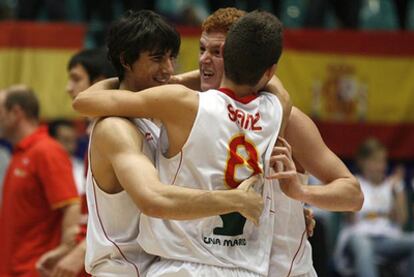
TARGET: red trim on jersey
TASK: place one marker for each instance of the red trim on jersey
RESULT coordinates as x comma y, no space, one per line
106,235
245,99
179,167
297,252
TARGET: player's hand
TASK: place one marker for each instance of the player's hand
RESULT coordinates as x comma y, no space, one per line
309,221
397,178
285,170
47,261
253,203
70,265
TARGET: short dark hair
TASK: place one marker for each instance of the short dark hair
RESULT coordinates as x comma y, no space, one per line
54,126
25,98
95,62
369,147
253,44
139,31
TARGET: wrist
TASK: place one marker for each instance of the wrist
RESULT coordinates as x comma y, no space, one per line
305,195
235,199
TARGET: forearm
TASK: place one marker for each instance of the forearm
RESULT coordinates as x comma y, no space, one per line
70,221
400,208
343,194
80,250
180,203
189,79
98,103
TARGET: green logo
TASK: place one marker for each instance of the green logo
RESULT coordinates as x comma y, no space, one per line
233,225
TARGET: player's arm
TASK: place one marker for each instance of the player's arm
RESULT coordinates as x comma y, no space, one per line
166,102
339,191
275,87
189,79
120,143
399,212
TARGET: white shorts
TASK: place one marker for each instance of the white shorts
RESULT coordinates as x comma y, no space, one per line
311,273
172,268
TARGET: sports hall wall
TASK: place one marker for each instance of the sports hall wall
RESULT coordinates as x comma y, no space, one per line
354,84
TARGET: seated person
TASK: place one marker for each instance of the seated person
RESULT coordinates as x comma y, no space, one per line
375,235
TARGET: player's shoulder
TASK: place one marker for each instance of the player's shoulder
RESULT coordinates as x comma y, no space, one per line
298,119
113,130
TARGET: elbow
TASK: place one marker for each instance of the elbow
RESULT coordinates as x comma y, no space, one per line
77,103
358,196
80,104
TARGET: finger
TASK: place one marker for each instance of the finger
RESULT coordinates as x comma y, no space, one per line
308,212
281,150
285,143
282,175
286,162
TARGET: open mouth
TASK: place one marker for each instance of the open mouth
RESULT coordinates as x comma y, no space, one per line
162,79
206,73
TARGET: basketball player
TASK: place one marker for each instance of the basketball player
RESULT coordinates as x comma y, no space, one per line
291,252
213,140
122,182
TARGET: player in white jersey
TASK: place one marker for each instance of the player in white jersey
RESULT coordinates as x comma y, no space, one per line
122,181
291,252
216,139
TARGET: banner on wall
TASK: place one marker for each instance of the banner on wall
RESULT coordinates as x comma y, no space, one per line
36,54
353,84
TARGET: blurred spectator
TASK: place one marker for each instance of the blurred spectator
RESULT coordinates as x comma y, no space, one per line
64,132
4,162
347,13
401,7
104,9
248,5
375,235
31,9
184,12
40,205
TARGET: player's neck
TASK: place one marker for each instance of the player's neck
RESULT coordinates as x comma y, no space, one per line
239,90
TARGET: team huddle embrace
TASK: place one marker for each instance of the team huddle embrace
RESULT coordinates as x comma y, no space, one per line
203,173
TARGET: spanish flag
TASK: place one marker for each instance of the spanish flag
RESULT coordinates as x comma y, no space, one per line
355,85
36,54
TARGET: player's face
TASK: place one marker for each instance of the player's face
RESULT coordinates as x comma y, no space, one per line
78,80
211,59
374,167
151,69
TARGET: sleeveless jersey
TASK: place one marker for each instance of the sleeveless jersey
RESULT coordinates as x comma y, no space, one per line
230,140
113,223
291,251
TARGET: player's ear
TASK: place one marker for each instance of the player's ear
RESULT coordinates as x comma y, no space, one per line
123,63
270,72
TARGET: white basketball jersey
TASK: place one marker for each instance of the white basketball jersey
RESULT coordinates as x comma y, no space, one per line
113,223
230,140
291,251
